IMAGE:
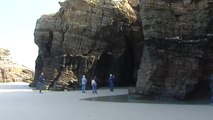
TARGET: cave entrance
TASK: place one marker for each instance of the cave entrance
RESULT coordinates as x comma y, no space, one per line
121,66
127,66
121,57
102,68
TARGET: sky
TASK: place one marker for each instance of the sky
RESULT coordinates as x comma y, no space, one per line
17,23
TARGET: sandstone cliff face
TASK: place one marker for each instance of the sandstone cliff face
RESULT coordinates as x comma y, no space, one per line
92,37
177,55
171,57
12,72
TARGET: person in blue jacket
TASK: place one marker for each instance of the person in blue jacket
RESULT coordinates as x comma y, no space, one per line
83,84
41,82
111,81
211,87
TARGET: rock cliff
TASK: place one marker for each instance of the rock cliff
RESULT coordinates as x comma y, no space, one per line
162,46
91,37
177,55
12,72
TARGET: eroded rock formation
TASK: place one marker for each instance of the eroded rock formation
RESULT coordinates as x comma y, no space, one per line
169,55
12,72
92,37
177,56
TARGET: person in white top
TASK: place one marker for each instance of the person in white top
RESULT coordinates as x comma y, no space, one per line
94,85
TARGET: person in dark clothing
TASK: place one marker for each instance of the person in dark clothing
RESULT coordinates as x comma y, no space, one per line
111,82
41,82
211,87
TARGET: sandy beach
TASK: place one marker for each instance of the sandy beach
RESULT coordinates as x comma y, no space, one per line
19,102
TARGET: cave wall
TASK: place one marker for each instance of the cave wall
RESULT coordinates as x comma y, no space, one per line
90,37
176,60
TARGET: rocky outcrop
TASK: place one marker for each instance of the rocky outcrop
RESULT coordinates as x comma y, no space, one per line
169,53
177,55
12,72
92,37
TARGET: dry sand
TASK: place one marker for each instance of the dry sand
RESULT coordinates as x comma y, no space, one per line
19,102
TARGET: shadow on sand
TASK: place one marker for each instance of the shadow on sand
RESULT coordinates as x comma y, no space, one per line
138,99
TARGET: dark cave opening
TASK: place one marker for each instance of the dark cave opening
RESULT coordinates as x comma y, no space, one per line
121,66
102,68
127,66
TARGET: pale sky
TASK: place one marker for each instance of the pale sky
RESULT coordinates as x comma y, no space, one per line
17,24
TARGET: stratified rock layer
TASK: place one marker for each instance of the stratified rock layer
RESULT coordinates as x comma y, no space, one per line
12,72
92,37
177,56
171,57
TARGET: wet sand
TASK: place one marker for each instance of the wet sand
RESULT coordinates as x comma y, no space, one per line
19,102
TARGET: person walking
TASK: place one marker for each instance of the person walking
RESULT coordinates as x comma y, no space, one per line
211,87
111,82
41,82
94,85
83,84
